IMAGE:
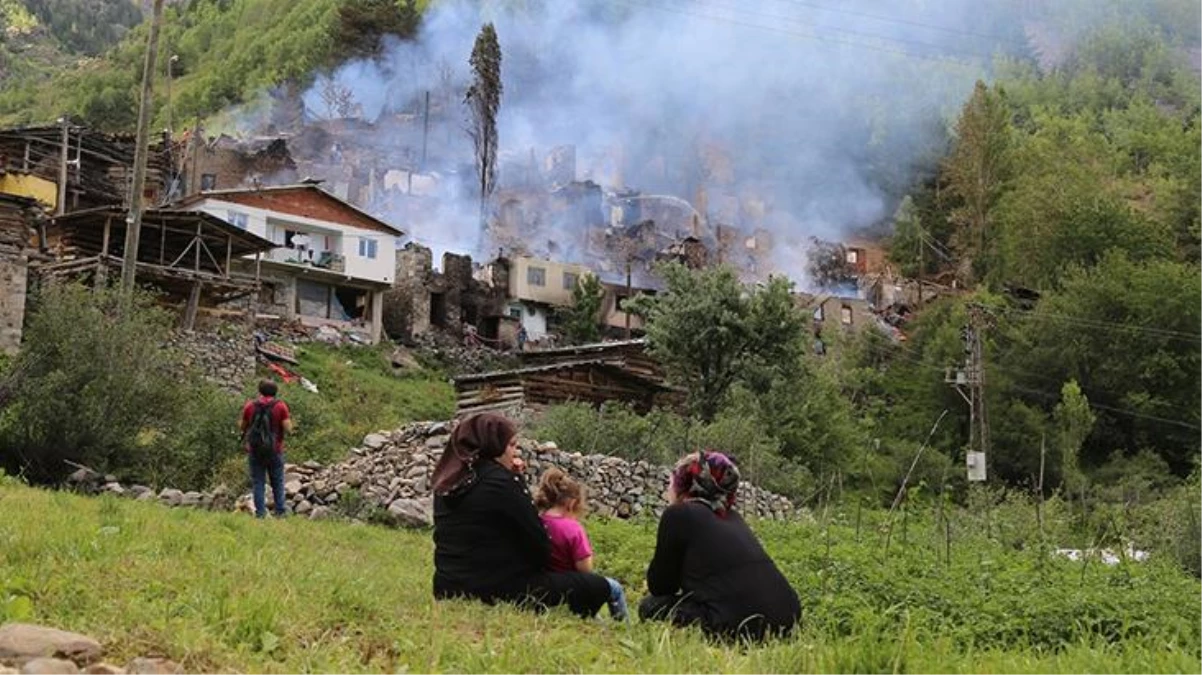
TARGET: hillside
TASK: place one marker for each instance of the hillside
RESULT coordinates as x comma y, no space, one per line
222,592
229,51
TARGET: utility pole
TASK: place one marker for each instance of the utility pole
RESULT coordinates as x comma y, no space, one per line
133,222
64,143
425,129
628,296
170,63
969,382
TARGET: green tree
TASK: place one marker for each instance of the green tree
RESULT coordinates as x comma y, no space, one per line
362,23
976,171
483,101
710,332
580,323
1074,421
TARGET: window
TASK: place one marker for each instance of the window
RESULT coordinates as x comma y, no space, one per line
845,315
536,276
367,248
853,256
569,281
819,315
208,181
515,313
237,219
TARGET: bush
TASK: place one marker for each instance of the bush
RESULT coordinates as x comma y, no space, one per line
93,385
90,382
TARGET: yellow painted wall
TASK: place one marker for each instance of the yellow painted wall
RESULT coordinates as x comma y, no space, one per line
28,185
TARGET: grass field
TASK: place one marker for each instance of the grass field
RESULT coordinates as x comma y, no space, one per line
222,592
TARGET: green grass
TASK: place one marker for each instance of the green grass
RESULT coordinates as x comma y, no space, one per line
222,592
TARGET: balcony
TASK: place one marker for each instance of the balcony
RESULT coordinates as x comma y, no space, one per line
324,260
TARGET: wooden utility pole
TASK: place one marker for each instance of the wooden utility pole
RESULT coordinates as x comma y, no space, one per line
628,296
65,142
133,222
425,129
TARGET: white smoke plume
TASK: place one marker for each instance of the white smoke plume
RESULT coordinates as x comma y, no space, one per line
797,118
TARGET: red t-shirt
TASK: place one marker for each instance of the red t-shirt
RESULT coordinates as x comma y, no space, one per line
279,413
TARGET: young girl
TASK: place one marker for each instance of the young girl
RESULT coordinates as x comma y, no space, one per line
560,501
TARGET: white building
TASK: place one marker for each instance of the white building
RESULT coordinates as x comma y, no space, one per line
332,262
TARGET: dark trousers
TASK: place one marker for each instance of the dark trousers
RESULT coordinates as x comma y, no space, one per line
258,479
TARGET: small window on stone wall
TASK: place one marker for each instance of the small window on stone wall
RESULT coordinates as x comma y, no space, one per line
267,294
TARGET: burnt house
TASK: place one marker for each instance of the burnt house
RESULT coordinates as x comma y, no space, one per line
423,299
225,162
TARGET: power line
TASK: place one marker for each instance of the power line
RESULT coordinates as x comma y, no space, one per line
860,45
873,36
913,358
907,22
1103,325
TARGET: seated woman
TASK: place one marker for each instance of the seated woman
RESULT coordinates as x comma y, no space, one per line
709,568
489,542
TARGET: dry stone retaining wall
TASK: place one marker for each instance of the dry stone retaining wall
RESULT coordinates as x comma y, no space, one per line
390,474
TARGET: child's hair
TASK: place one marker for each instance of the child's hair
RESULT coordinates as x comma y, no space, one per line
557,488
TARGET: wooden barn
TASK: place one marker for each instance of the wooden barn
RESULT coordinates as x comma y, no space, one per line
592,381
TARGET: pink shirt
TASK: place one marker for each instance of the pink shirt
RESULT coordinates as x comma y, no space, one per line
569,543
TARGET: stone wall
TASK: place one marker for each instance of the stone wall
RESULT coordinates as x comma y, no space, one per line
392,470
224,353
14,268
390,473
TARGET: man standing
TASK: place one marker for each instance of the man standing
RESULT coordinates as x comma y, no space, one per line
264,422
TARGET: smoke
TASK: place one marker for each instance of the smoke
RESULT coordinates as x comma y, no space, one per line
802,119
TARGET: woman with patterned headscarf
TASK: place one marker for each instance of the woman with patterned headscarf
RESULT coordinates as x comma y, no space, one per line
489,542
709,569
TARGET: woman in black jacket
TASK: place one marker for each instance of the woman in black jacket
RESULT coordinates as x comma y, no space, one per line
489,543
709,568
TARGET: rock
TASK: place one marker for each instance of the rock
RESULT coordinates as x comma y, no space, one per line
312,465
46,666
21,641
145,666
319,513
5,670
437,442
191,499
303,508
438,428
136,491
103,669
84,475
549,446
171,496
145,496
410,513
292,487
114,488
374,441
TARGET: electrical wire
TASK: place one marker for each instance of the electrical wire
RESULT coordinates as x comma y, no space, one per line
1103,325
854,33
907,22
784,31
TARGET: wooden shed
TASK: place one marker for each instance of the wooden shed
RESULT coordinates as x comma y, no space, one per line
187,254
592,381
630,355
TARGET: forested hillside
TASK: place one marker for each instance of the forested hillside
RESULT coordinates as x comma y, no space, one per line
229,50
1072,200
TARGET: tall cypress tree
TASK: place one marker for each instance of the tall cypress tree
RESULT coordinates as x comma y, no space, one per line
483,101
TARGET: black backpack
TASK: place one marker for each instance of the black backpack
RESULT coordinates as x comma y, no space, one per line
260,437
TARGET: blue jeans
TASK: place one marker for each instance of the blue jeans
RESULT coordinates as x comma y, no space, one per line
258,480
617,600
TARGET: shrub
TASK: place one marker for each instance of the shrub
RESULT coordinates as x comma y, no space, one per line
92,380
